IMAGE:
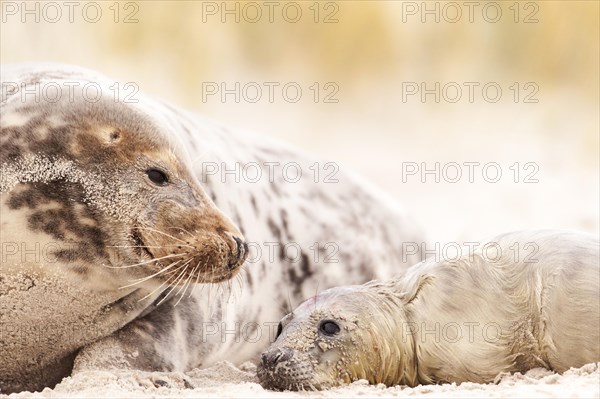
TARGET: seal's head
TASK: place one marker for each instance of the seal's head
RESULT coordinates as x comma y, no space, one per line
341,335
108,183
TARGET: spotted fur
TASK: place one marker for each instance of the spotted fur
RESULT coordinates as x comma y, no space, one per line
109,292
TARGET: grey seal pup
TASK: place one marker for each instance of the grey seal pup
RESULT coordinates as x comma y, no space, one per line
487,312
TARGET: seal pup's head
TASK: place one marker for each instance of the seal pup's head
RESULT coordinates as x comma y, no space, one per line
342,335
108,182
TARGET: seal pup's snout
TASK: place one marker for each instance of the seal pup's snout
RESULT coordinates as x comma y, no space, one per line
238,254
271,358
284,368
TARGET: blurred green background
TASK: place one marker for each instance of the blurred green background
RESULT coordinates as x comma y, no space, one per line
368,52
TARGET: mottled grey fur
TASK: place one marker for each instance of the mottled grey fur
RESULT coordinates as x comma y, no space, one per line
73,182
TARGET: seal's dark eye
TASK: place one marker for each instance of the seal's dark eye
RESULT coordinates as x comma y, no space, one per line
279,330
329,327
157,177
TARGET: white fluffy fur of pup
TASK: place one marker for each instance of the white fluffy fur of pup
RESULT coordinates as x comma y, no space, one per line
520,300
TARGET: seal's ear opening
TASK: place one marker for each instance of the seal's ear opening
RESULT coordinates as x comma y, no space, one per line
115,136
111,135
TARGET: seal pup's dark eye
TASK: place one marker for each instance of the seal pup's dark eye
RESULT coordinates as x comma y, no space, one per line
329,327
279,330
157,177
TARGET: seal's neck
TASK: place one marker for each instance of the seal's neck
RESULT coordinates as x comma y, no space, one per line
396,345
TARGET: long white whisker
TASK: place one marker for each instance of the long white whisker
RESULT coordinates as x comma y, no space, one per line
174,275
142,246
141,280
229,291
210,290
187,265
146,262
182,229
159,287
173,285
197,279
168,235
199,157
185,286
188,284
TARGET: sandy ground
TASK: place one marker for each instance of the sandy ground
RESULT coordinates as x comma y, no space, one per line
224,380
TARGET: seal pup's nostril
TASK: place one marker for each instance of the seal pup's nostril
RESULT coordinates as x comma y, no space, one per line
264,359
273,357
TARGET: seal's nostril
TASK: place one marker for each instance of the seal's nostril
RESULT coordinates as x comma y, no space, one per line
239,255
264,359
238,244
286,354
272,358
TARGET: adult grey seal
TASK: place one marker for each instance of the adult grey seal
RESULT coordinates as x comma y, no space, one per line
95,200
110,220
492,310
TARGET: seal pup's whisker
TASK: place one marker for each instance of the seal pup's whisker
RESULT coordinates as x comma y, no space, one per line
316,294
290,302
199,157
146,262
141,280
